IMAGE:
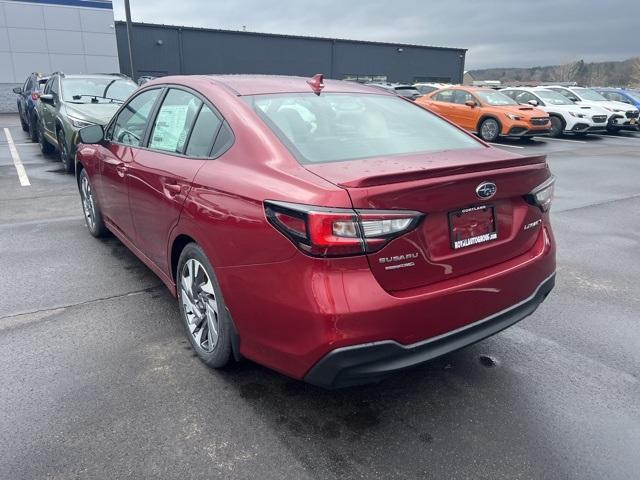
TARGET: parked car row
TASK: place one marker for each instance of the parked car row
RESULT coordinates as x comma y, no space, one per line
531,111
53,108
369,233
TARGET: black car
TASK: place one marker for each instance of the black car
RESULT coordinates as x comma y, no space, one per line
28,95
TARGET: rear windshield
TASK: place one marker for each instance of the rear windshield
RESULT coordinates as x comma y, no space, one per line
335,126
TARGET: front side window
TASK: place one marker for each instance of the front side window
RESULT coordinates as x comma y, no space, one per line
131,124
525,97
444,96
461,97
592,95
337,126
496,99
174,120
54,86
553,98
97,90
566,93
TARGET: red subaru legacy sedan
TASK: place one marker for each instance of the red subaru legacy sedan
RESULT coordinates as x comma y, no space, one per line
329,230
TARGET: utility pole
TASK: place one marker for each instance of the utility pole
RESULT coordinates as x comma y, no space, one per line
127,11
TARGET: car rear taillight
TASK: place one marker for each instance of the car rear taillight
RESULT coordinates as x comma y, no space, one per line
35,96
335,232
542,195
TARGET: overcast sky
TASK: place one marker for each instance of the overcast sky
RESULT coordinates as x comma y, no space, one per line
498,33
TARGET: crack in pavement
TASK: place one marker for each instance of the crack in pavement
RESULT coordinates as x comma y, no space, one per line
77,304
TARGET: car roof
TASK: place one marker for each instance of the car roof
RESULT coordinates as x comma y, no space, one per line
469,88
265,84
94,75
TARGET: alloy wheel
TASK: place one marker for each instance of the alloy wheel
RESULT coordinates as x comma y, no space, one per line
88,203
556,127
489,130
64,153
200,305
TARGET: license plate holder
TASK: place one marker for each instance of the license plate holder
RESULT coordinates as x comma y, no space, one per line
472,226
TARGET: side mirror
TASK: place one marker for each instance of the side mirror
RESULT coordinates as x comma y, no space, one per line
91,134
533,103
47,98
17,90
470,103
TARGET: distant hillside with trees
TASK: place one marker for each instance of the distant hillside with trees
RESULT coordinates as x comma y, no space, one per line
620,74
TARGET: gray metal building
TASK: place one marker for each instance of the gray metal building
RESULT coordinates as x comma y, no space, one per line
165,50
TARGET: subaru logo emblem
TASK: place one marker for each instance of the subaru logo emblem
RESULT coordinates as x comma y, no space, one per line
486,190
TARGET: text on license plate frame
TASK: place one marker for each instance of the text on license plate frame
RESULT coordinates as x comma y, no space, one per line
457,244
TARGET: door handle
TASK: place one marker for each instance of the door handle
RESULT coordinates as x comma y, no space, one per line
121,168
173,188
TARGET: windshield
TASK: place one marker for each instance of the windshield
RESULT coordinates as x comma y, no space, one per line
335,126
587,94
553,98
96,90
496,99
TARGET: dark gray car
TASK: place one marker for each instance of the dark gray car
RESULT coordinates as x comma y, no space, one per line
71,102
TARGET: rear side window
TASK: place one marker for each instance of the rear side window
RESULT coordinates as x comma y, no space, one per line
204,132
131,124
174,120
337,126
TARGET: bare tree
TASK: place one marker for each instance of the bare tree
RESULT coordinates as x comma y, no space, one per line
567,72
635,72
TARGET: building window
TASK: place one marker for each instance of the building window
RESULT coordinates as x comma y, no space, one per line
355,77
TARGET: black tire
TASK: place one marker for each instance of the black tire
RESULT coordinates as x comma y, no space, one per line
200,289
23,124
557,126
63,152
33,128
489,130
45,147
90,207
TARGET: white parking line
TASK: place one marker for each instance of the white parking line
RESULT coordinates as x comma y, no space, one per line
22,173
504,145
544,139
604,135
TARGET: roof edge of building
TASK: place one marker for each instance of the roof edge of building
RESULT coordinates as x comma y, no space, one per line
299,37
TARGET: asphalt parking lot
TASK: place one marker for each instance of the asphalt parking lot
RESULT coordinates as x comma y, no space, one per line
99,381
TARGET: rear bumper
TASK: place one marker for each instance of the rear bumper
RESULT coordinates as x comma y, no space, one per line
369,362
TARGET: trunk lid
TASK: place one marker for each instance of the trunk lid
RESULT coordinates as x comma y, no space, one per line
443,187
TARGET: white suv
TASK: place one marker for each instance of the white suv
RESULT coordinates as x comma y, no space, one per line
623,116
565,116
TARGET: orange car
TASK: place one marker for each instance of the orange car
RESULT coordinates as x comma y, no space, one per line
487,112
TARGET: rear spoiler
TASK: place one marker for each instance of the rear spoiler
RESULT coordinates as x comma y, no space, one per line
536,161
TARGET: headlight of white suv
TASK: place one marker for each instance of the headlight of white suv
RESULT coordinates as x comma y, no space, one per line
76,122
577,114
